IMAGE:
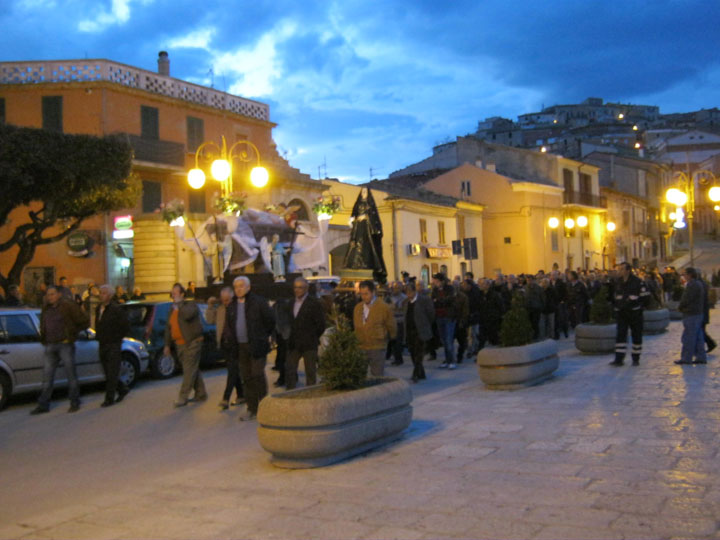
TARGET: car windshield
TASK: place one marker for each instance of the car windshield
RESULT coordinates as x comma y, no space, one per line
137,314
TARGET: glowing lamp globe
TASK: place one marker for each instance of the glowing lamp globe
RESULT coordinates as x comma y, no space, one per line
672,216
716,207
259,177
220,170
569,223
676,197
196,178
582,221
553,222
714,193
610,226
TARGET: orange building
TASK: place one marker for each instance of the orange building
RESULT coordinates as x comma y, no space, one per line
165,120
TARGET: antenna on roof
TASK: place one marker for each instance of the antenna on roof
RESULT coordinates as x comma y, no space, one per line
322,169
372,171
212,78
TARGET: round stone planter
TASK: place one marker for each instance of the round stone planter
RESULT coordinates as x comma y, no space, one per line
313,430
655,321
595,338
506,368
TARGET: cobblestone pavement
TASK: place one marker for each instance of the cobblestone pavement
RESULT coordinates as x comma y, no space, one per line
596,452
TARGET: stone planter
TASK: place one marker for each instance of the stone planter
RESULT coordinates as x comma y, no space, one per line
506,368
306,428
655,321
672,307
595,338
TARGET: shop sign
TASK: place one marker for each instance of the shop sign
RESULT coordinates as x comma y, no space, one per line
79,244
439,253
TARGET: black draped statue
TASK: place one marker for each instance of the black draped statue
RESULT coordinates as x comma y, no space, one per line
365,250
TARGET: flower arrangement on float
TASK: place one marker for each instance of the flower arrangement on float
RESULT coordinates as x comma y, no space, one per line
325,207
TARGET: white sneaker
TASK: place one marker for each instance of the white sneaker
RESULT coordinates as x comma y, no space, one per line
452,366
444,365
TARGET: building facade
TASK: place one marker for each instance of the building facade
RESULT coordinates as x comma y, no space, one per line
165,120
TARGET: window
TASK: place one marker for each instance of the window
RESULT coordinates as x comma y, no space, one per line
441,232
423,231
196,201
554,240
52,117
585,183
642,184
149,123
195,133
2,111
17,329
568,181
465,188
151,196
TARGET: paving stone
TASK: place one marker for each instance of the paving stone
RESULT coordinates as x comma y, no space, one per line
560,532
462,450
577,517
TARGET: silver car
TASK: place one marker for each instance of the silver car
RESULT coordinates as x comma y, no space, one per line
22,357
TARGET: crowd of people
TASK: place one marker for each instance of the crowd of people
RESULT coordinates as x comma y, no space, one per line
460,317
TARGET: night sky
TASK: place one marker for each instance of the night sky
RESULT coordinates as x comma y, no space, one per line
361,84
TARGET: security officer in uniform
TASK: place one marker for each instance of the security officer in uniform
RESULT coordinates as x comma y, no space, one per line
629,299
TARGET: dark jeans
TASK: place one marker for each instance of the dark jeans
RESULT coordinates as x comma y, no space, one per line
54,354
233,376
693,338
252,373
710,342
561,321
632,320
310,358
110,355
281,352
446,331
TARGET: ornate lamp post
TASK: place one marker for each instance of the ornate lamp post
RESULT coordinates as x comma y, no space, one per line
221,168
683,195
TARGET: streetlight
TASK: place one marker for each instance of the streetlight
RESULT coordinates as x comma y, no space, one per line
685,195
222,164
610,227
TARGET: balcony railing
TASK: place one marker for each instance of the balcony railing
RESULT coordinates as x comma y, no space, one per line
105,70
156,151
585,199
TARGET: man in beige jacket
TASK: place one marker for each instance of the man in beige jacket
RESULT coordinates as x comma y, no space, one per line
375,325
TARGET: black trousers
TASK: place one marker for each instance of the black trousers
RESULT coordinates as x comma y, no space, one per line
417,348
310,358
632,320
233,380
710,342
461,335
281,352
252,373
110,355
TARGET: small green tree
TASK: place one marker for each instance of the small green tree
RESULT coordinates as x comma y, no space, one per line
516,329
601,311
342,364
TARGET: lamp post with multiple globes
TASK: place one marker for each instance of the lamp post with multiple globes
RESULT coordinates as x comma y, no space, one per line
683,196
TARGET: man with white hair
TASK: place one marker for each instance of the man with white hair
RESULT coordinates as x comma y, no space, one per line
249,321
111,326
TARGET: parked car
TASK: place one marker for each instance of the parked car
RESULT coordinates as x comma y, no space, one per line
324,284
22,358
147,324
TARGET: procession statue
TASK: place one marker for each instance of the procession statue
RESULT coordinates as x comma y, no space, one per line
365,249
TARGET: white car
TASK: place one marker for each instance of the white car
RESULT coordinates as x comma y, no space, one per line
22,356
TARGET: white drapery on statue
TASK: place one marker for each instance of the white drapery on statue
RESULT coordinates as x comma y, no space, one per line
238,244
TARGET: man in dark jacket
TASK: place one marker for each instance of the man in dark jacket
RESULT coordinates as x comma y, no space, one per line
475,301
419,314
443,297
630,297
249,322
308,324
692,306
111,326
60,321
184,331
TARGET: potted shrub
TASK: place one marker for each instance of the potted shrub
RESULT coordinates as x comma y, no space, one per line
347,414
518,362
597,336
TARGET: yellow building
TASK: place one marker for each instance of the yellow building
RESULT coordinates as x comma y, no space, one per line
165,120
419,228
541,209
